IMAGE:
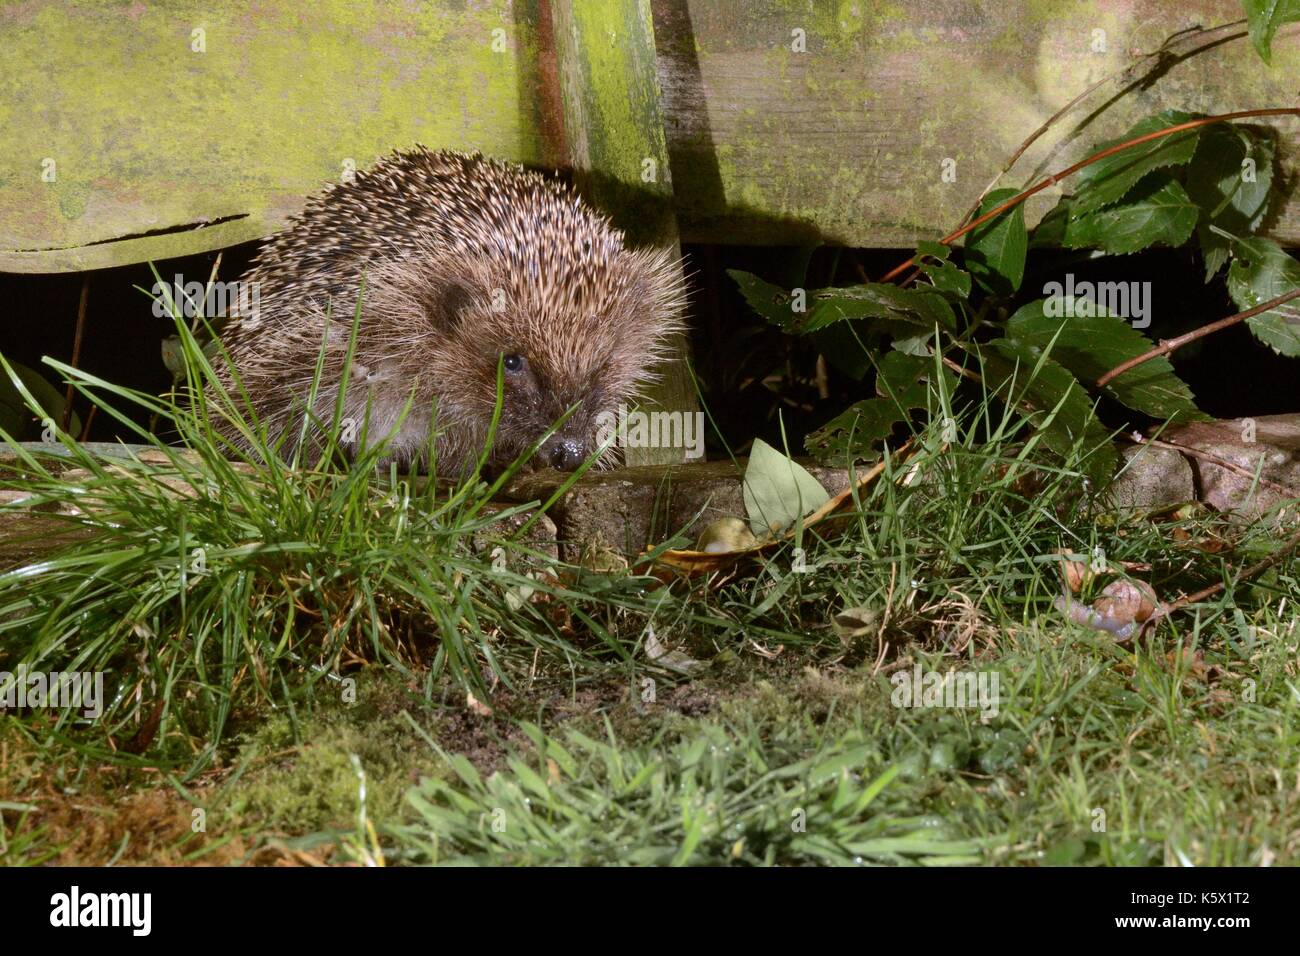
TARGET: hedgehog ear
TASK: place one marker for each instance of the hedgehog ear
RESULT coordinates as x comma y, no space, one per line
448,302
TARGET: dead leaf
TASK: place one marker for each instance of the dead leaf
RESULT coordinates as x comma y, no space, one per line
696,562
855,622
726,535
1193,664
673,660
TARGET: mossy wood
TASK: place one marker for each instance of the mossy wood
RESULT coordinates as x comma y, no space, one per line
140,131
137,131
609,101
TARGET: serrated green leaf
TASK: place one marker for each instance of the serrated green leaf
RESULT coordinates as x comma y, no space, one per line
1109,180
946,277
1157,211
778,491
771,302
932,259
852,433
935,250
901,385
1023,376
1261,271
1214,250
1231,176
1264,17
1050,231
848,346
913,344
902,377
875,300
995,251
824,307
1090,343
1229,180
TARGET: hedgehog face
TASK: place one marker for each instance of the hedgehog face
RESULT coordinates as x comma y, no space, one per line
556,354
538,392
533,402
580,345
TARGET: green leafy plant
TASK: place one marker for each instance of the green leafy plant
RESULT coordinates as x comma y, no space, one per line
961,312
27,420
1264,17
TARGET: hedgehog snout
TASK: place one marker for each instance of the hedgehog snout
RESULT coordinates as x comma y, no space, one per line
563,453
569,446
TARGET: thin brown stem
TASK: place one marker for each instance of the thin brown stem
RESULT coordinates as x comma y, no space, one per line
1205,456
90,418
962,370
1262,565
1168,345
1164,50
76,350
1055,178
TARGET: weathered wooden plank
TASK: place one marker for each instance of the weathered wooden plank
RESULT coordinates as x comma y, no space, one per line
121,119
842,143
605,55
612,123
846,142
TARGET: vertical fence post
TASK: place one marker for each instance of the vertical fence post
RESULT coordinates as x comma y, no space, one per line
614,137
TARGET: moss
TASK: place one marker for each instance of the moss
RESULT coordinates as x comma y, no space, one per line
87,815
299,777
281,96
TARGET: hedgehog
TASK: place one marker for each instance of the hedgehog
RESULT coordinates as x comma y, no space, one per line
458,272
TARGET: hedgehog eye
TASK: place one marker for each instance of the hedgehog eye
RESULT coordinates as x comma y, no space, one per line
514,363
